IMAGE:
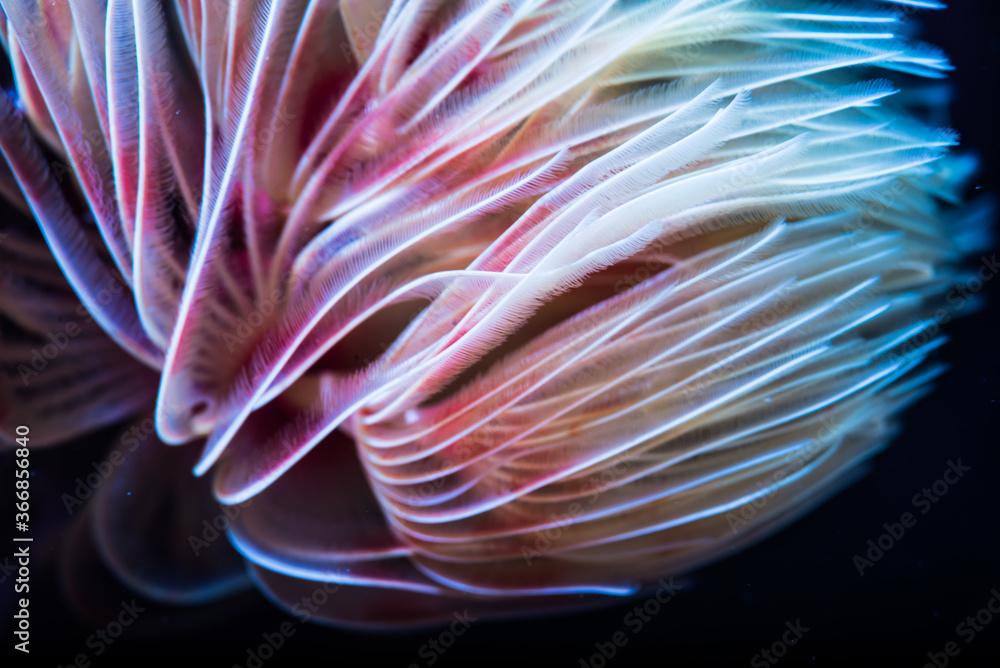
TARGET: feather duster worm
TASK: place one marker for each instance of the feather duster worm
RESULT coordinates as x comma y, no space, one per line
504,301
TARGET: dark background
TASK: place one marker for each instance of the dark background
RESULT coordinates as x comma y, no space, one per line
906,605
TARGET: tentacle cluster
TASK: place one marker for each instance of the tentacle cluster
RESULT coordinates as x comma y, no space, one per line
506,300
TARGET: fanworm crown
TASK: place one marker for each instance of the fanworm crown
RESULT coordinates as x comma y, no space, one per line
502,302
